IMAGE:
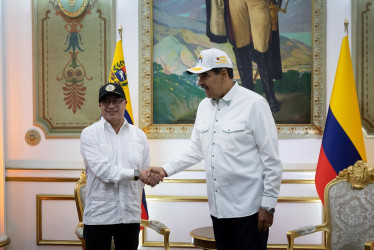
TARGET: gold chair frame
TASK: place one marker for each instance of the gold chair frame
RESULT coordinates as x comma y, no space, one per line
153,224
359,175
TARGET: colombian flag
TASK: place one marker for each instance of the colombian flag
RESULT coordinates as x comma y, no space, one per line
118,75
343,141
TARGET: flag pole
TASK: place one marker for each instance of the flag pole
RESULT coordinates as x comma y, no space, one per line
346,23
120,31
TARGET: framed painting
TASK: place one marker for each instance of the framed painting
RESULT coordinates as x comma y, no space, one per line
363,58
172,33
73,46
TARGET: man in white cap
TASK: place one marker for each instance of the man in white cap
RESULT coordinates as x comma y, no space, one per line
235,134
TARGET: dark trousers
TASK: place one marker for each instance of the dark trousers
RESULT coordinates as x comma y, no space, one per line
99,237
239,233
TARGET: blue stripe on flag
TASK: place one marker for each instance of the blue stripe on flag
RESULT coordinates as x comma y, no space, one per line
128,118
338,147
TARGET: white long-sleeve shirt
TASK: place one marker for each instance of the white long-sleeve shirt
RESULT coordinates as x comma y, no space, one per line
112,196
237,138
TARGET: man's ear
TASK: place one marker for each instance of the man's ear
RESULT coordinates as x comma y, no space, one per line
224,73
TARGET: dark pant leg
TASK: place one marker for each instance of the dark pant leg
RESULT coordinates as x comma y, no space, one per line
239,233
224,233
247,236
126,236
97,237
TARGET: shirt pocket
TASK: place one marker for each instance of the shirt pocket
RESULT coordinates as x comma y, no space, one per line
136,154
234,135
202,131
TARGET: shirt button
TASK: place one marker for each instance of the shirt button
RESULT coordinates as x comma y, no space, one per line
214,131
212,155
214,143
216,120
219,109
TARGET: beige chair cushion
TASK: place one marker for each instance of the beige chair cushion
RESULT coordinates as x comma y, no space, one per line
79,232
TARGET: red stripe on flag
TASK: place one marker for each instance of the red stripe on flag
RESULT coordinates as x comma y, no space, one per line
324,174
144,214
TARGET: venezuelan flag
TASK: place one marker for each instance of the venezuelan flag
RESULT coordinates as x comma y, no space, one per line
343,141
118,75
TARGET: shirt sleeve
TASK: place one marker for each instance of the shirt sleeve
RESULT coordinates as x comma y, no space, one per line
96,161
146,153
191,157
267,141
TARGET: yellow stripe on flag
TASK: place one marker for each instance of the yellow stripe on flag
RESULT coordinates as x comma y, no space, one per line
343,103
118,75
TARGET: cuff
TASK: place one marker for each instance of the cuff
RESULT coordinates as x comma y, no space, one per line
268,201
168,169
127,174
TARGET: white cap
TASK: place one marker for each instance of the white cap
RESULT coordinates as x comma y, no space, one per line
210,59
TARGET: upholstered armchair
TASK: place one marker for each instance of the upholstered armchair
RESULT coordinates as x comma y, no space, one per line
79,194
349,211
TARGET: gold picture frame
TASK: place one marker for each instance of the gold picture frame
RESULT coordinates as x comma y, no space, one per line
175,131
362,49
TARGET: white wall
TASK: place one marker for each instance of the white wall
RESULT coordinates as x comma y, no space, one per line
64,153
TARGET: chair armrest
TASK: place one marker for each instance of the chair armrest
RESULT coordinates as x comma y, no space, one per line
291,235
79,231
155,225
369,245
159,228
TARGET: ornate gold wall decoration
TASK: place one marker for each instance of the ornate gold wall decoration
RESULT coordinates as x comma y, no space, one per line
73,47
32,137
73,8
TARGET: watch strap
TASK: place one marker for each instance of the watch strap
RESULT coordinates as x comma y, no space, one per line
136,175
270,210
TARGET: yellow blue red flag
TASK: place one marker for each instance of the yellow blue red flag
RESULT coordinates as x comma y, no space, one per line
118,75
343,141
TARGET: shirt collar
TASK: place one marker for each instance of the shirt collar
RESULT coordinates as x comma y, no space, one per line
105,123
228,97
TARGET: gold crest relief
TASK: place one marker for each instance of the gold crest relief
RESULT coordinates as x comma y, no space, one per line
73,8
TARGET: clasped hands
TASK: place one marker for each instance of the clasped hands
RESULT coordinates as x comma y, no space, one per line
152,176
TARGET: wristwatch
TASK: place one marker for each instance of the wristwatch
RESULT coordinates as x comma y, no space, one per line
269,210
136,175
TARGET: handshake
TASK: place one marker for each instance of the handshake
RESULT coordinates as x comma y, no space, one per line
152,176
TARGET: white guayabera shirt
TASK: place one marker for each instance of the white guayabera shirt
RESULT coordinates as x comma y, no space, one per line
112,196
237,138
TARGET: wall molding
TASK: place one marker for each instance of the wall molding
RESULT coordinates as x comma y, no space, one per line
39,220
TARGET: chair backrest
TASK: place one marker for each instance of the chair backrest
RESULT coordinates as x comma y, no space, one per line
349,208
80,194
